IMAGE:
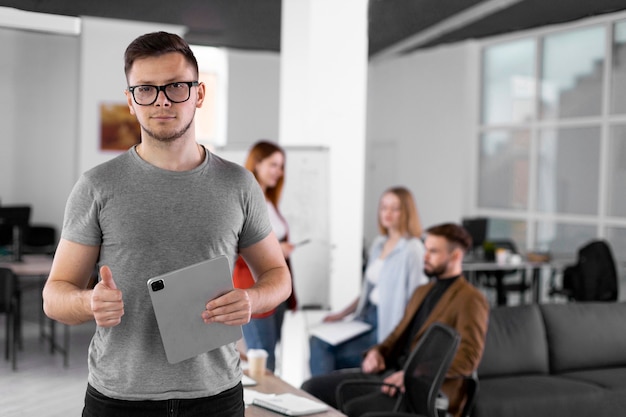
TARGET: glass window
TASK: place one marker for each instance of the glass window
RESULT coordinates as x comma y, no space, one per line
618,79
617,172
509,82
508,229
569,170
562,240
572,73
616,236
503,169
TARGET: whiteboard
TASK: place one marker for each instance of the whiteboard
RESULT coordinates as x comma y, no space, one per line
305,206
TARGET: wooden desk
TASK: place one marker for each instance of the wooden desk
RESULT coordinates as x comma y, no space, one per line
271,384
31,271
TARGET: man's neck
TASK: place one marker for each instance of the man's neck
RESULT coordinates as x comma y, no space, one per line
179,155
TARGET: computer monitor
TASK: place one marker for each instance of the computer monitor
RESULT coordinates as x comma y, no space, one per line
13,221
477,228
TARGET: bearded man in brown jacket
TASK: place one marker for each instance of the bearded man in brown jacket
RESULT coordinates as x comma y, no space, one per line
449,299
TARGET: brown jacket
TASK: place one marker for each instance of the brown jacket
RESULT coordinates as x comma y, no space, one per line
462,307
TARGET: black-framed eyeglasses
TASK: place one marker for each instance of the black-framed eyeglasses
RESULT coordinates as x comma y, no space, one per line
176,92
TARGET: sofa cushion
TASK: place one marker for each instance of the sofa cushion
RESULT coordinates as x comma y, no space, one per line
515,343
540,396
613,379
585,335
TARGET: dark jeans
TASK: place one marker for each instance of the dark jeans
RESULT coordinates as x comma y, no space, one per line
225,404
325,358
265,333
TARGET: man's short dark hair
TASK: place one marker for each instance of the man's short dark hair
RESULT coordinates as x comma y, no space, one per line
455,234
157,44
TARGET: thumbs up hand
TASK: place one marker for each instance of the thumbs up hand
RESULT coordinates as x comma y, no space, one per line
106,300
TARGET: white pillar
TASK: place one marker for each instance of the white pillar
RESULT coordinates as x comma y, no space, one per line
323,102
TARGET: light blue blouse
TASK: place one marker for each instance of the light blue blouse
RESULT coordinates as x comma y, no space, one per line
401,273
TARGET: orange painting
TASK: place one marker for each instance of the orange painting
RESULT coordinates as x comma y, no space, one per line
119,130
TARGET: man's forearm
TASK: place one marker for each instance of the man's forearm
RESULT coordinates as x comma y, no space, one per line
66,303
271,289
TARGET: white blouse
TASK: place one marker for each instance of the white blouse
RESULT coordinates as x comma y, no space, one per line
279,225
372,274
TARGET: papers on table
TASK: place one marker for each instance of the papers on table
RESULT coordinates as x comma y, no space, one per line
337,332
288,404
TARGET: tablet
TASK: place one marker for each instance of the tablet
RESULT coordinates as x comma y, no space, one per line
178,299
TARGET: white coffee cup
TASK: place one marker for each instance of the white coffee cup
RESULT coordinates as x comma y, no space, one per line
502,256
257,362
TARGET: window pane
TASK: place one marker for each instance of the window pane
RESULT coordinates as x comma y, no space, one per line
503,169
568,170
509,82
572,73
616,236
617,172
562,240
508,229
618,98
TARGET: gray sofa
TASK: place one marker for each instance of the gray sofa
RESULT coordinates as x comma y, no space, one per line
554,360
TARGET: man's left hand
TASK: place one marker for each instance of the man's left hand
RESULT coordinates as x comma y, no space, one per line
397,379
233,308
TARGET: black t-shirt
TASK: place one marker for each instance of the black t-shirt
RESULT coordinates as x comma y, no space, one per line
423,311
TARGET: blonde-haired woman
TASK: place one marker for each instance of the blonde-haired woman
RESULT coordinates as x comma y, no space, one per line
394,269
266,160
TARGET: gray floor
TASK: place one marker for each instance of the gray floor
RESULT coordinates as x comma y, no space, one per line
42,386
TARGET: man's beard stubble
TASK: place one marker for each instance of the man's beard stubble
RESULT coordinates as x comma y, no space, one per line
435,271
165,138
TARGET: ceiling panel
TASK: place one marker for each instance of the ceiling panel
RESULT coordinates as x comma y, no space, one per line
255,24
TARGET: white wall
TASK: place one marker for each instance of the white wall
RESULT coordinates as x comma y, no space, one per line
420,134
253,95
38,114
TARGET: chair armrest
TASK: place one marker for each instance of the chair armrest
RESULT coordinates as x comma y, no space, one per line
345,386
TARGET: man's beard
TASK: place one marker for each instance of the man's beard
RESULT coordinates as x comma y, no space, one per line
435,271
165,137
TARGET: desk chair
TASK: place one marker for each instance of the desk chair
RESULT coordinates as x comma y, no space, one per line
10,306
40,239
592,278
424,373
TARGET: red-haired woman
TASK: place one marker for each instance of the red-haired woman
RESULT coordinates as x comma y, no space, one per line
266,161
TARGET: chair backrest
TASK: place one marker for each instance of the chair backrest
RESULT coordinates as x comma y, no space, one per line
426,368
8,282
471,388
594,277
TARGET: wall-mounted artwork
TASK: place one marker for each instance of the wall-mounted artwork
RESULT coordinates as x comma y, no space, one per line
119,130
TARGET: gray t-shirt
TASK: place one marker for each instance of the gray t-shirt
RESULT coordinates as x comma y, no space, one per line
149,221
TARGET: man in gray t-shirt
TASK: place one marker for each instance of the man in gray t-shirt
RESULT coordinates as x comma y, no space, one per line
164,204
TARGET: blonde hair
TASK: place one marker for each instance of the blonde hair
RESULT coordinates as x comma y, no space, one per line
410,223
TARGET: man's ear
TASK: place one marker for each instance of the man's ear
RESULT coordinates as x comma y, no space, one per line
129,101
457,254
201,94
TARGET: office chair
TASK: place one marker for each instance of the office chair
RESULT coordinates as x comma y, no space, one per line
40,239
471,390
592,278
10,306
424,373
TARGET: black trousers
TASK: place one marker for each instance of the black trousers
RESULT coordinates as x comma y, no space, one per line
357,400
225,404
